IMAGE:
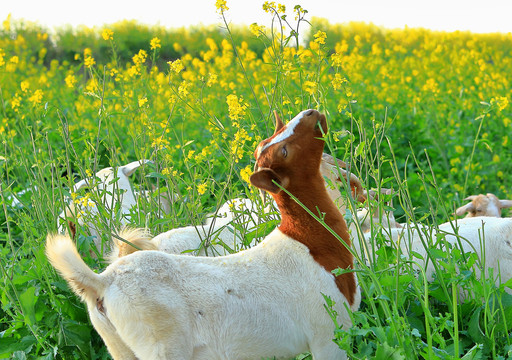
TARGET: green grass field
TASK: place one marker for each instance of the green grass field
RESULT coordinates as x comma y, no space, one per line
424,113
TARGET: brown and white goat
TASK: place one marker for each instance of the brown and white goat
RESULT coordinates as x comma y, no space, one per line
483,205
263,302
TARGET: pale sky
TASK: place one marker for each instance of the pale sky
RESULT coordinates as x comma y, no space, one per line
449,15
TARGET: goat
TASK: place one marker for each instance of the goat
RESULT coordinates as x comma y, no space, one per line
483,205
489,237
267,301
115,191
217,236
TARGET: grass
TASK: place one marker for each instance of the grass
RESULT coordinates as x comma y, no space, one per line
425,113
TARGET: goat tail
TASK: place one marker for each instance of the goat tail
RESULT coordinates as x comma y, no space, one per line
64,257
129,241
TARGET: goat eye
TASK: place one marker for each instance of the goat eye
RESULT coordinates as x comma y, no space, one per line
284,151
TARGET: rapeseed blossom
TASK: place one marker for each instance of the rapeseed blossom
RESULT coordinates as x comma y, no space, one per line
70,81
236,107
142,101
107,34
268,6
221,6
320,37
155,43
201,188
36,97
89,61
176,66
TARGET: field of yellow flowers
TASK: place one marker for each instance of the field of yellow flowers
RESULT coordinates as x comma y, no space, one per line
425,113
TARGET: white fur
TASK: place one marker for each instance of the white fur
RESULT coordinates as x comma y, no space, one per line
489,237
287,132
263,302
112,193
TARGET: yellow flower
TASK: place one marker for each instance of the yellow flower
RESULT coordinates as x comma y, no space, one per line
36,97
236,107
256,29
142,101
246,173
268,6
459,149
89,61
2,54
309,87
221,6
501,102
140,58
337,81
7,23
212,79
16,102
176,66
155,43
496,158
454,161
320,37
70,81
183,89
107,34
281,8
24,85
201,189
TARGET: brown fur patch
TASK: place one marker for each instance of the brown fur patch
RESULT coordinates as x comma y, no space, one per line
300,163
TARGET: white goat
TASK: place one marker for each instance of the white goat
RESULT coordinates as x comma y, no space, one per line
489,237
115,192
483,205
267,301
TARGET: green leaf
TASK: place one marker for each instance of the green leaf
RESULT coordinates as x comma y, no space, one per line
359,149
384,351
9,345
28,302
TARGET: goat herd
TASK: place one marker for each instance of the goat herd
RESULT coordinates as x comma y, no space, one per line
266,301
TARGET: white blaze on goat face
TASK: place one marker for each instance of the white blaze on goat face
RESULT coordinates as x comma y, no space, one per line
287,131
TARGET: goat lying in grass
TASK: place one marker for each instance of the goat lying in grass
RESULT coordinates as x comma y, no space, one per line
115,193
483,205
267,301
490,238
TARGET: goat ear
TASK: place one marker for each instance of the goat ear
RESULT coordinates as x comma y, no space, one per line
329,159
264,179
279,122
80,184
357,188
505,204
464,209
130,168
470,198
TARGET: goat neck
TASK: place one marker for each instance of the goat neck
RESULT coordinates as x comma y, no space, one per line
290,159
